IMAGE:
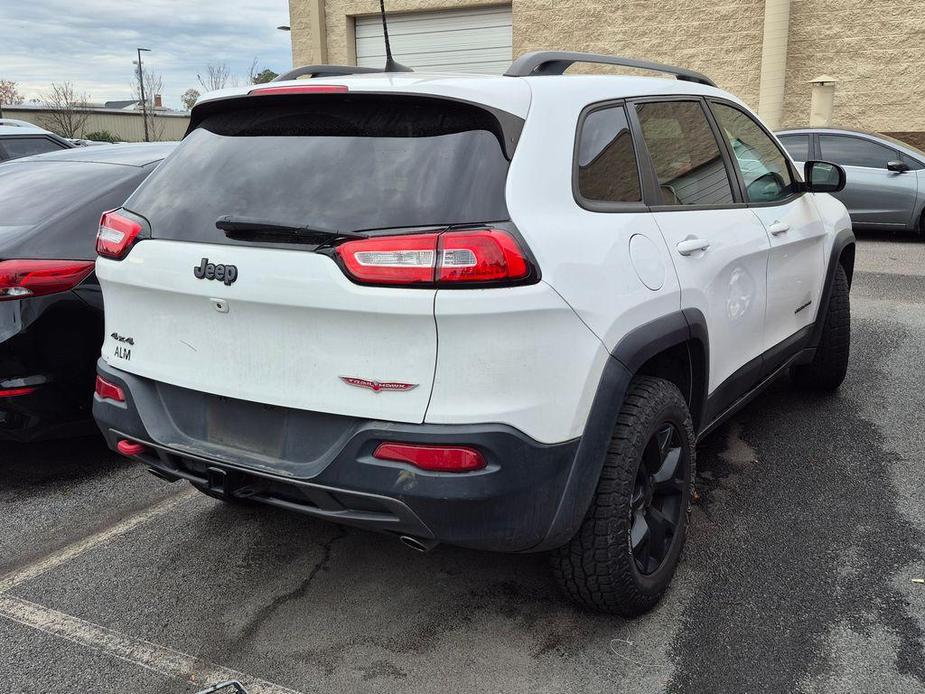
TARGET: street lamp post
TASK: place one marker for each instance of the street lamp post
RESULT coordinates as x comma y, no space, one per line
141,88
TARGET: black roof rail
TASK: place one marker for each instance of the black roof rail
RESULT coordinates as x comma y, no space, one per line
325,71
557,62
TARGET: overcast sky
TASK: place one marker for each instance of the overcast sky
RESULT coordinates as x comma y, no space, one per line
92,42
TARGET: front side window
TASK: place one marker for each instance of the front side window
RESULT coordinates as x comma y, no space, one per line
762,165
685,154
853,151
606,160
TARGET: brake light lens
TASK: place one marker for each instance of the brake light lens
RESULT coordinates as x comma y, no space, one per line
301,89
16,392
454,257
117,235
109,391
20,279
433,458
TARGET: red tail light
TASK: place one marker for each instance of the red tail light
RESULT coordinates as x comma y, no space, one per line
15,392
455,257
117,235
109,391
301,89
434,458
23,278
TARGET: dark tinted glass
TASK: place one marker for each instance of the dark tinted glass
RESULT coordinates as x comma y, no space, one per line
606,161
16,147
913,164
685,154
762,165
346,163
52,209
796,145
853,151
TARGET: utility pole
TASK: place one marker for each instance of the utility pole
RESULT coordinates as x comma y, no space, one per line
141,88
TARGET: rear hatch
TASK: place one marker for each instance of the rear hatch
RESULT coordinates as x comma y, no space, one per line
280,322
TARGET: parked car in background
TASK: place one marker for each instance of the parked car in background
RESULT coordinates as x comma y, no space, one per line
21,139
51,311
885,187
490,311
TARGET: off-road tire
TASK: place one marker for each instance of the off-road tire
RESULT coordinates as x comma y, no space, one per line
828,368
597,568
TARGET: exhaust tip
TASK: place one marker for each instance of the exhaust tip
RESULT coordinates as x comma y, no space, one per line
130,448
418,544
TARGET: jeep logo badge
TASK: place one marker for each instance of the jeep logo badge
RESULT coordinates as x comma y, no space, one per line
210,271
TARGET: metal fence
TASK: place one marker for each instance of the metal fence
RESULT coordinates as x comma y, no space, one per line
127,126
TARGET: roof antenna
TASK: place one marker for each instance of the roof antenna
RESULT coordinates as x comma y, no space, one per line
390,64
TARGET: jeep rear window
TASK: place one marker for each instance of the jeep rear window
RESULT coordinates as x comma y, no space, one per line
345,162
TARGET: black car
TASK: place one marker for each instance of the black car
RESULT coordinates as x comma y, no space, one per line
51,308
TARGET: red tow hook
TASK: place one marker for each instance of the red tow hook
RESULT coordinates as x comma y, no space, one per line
130,448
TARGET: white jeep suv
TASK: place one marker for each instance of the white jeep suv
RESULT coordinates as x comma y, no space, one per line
489,311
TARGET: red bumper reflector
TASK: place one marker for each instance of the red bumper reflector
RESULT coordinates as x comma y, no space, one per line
435,458
14,392
109,391
130,448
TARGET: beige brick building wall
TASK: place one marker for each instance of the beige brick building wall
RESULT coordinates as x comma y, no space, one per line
874,48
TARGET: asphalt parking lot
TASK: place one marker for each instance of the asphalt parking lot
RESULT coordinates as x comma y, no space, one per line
798,574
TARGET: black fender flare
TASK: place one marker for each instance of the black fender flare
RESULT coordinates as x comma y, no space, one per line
630,354
843,239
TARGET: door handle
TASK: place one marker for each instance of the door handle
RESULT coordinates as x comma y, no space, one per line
689,246
778,228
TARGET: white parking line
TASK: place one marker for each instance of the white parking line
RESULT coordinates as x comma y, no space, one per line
160,659
72,551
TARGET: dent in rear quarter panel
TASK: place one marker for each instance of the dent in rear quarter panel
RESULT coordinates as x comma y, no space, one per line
517,356
584,255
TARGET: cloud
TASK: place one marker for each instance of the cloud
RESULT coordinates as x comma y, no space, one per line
92,42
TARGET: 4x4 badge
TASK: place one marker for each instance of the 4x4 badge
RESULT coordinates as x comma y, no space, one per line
377,386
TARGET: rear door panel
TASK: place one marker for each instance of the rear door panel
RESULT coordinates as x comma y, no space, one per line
284,333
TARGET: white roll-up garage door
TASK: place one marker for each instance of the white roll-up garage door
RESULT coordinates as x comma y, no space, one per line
477,40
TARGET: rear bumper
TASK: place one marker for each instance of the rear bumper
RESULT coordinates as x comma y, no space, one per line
322,465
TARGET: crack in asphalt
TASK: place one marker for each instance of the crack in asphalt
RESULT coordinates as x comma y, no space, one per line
250,629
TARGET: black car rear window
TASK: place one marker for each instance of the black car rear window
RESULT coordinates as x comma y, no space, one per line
345,162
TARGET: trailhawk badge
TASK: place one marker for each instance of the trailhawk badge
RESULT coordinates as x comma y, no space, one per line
378,386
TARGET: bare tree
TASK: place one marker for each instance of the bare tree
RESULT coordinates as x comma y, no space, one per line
217,76
9,93
154,86
189,98
66,115
255,76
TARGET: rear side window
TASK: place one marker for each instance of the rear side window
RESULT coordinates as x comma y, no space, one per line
685,154
853,151
344,162
607,170
796,145
16,147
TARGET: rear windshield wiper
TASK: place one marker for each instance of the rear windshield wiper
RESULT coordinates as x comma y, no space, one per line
243,229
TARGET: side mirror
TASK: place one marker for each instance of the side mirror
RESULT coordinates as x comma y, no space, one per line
897,166
823,177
